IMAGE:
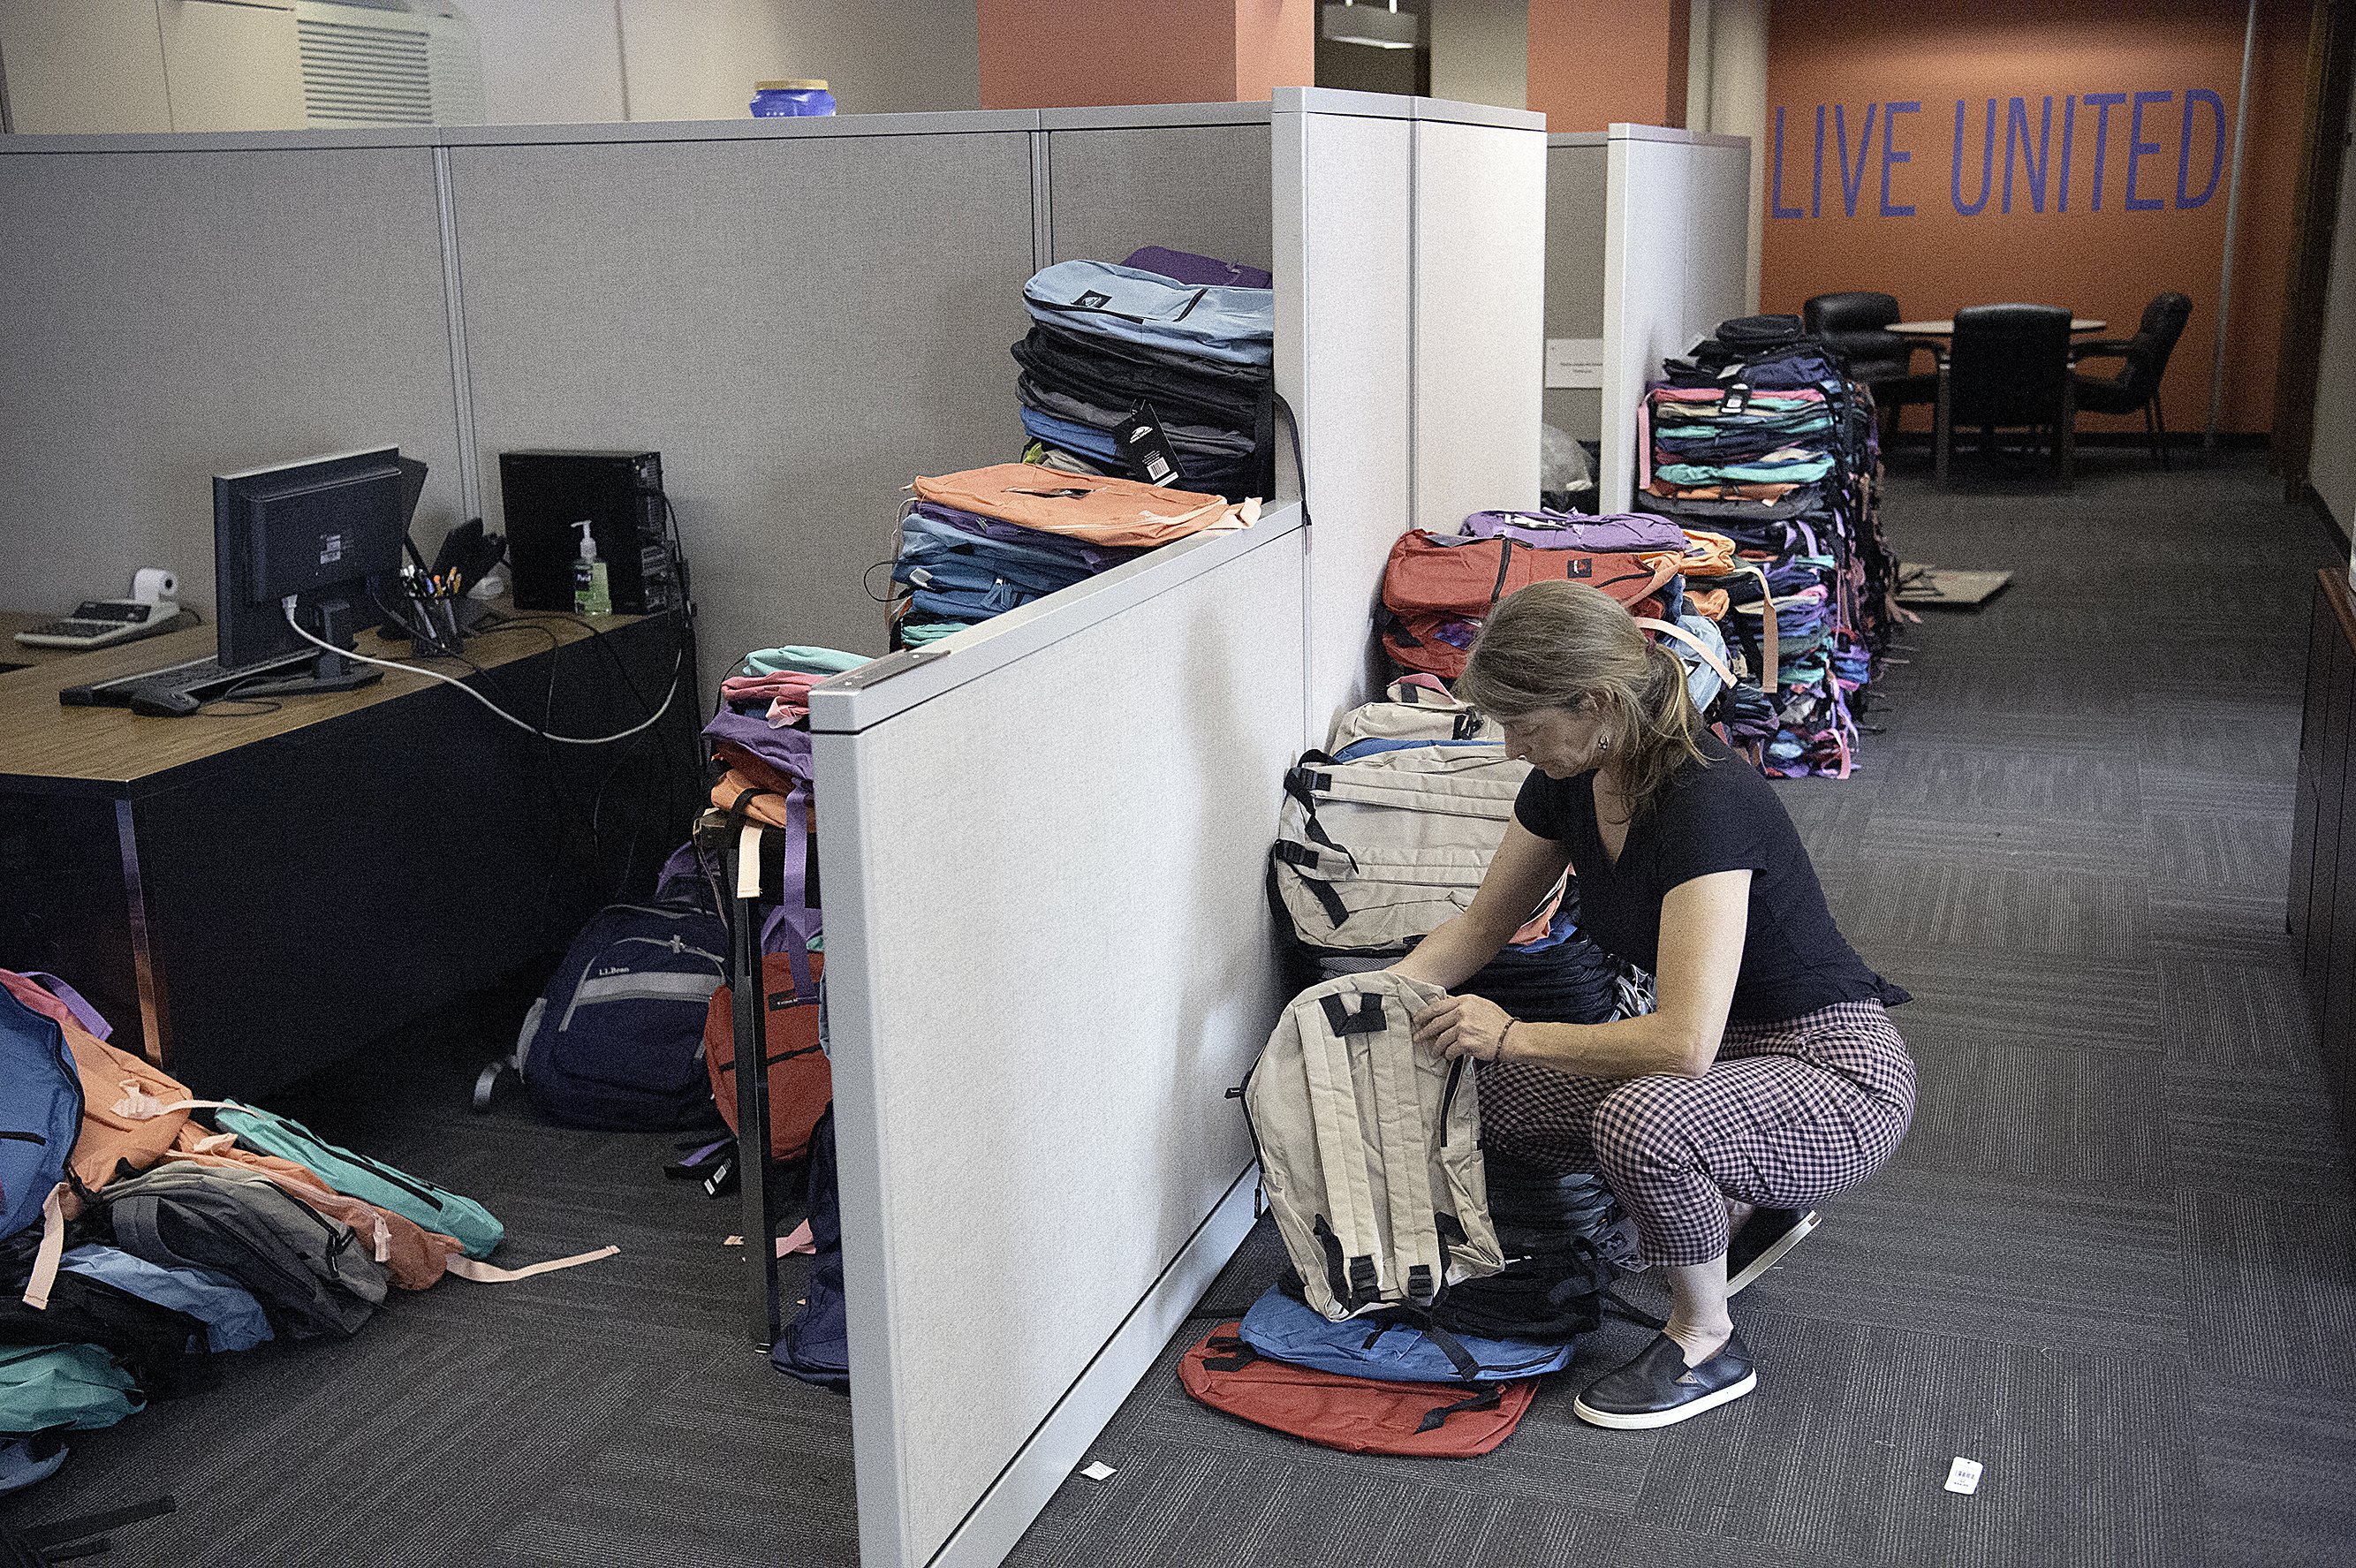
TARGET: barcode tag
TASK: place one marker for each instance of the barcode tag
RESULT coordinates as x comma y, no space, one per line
1964,1475
1146,449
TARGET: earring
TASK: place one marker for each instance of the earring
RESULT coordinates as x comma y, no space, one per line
1603,747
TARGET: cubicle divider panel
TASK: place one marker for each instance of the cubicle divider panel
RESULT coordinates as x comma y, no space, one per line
1198,181
176,314
1677,242
1049,957
800,325
1480,328
1344,205
1574,271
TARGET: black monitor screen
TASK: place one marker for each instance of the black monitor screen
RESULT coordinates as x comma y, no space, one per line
317,530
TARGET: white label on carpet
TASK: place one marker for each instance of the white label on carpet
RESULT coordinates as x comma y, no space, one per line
1099,1471
1964,1475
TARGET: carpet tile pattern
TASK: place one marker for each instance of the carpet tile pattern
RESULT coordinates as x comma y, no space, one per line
2116,1260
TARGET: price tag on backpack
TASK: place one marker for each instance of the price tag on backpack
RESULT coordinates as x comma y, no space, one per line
1145,449
1736,398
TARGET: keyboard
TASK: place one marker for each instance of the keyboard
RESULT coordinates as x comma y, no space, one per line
175,685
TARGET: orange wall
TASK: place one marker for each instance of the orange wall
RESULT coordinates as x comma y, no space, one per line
1594,62
1047,54
1830,230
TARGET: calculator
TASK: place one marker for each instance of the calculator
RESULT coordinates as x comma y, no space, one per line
95,623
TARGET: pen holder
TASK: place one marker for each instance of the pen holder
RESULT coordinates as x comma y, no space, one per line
433,627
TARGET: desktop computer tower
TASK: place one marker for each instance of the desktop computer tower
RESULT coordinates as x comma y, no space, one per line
619,494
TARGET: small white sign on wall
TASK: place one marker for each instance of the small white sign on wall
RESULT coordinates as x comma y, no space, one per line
1574,362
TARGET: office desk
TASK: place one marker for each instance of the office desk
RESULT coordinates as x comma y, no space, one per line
249,896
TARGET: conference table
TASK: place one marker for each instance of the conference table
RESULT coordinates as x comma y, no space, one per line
1948,328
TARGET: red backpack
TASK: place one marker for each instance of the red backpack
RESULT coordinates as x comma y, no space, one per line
801,1085
1356,1415
1438,587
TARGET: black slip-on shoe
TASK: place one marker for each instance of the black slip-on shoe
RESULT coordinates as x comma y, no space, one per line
1761,1242
1657,1388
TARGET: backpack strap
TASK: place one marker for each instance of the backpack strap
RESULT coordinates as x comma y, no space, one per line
1343,1150
748,879
52,1249
1437,1416
1769,631
1418,1264
486,1273
88,1016
1701,649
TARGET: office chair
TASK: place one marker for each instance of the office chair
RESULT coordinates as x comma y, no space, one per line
2007,365
1852,326
2144,360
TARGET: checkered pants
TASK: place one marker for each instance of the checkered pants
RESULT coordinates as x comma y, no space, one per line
1789,1114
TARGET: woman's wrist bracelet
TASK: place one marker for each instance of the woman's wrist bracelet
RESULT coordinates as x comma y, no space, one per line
1504,1038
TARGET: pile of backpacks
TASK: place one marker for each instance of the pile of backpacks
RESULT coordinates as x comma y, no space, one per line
1437,588
136,1241
1186,341
978,543
1430,1284
1147,395
635,1030
1759,437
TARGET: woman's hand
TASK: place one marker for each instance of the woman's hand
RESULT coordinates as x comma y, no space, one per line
1463,1026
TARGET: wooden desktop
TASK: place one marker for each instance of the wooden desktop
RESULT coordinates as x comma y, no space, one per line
250,894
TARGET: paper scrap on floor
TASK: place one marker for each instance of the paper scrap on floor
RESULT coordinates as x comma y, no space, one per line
1919,582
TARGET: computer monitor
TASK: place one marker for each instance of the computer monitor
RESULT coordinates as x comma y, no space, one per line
317,530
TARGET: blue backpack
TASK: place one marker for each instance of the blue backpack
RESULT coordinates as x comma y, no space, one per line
616,1039
40,1112
816,1346
1389,1348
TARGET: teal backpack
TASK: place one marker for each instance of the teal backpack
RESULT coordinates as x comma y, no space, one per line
436,1209
43,1387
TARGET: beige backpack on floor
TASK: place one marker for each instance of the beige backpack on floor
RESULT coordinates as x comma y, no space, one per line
1369,1149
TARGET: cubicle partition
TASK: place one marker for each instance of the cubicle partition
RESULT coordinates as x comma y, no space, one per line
1042,842
182,307
799,314
1577,166
1677,250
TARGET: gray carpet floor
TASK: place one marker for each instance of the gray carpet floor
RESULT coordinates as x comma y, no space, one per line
2115,1262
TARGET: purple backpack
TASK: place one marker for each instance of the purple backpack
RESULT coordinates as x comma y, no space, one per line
1548,530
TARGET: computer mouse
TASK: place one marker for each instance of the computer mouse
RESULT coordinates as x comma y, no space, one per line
165,704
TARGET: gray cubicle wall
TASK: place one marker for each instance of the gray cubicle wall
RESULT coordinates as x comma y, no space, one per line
182,307
1190,177
1577,166
800,316
800,323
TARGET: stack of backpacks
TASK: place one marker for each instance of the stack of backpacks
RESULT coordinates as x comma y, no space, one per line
1185,339
1149,384
1438,587
978,543
1429,1283
136,1241
1759,437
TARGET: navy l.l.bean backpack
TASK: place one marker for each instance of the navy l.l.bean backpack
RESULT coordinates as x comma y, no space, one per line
616,1039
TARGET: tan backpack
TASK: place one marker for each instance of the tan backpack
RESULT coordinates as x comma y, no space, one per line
1369,1149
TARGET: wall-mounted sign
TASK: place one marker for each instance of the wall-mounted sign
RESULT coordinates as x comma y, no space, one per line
1574,362
2008,156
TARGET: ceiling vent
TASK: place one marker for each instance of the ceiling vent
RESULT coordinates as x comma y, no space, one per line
388,62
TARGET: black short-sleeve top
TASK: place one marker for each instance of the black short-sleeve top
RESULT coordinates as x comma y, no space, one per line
1721,817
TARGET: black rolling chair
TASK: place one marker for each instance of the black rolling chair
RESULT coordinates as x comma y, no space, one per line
2007,365
2144,360
1854,324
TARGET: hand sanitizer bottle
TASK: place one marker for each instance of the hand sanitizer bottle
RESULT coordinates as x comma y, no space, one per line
589,594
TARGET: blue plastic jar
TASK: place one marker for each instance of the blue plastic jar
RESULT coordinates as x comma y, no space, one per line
781,99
